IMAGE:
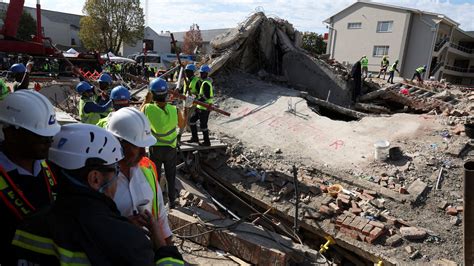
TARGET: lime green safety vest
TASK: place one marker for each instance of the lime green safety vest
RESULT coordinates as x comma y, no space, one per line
201,94
385,62
103,122
87,118
193,83
4,90
163,123
169,261
364,62
149,170
420,70
392,67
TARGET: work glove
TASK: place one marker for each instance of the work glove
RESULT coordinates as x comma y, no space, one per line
188,103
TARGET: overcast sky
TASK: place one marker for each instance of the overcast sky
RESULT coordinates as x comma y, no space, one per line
305,15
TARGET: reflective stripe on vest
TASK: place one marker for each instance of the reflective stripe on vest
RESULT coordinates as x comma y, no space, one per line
87,118
169,261
210,100
15,200
192,85
392,67
163,124
47,246
149,170
420,70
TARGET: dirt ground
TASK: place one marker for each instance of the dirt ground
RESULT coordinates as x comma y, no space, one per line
263,137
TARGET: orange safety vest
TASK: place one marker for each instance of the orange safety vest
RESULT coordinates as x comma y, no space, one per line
14,198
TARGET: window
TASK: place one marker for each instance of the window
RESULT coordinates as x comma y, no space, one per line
384,26
73,41
380,51
354,25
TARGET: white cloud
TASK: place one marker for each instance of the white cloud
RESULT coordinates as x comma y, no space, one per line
305,15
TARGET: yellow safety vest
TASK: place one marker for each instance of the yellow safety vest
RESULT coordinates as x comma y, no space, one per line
163,123
149,170
209,100
364,62
192,85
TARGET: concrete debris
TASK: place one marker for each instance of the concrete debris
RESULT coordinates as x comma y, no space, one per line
394,241
417,189
455,220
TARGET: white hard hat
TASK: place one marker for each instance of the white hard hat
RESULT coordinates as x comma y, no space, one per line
76,143
30,110
131,125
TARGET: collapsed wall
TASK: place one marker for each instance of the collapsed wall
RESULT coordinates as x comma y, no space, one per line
260,44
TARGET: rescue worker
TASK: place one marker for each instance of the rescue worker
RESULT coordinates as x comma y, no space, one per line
137,183
4,90
120,97
418,72
364,62
391,71
105,80
206,94
383,66
20,76
84,227
194,82
164,119
26,181
90,112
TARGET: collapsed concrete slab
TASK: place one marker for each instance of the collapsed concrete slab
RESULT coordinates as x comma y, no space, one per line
261,43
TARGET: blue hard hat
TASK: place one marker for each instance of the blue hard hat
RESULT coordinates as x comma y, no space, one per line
18,68
105,78
158,86
120,93
205,69
191,67
83,87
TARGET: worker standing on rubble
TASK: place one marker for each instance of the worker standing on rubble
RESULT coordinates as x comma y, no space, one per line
391,71
194,82
137,185
26,181
84,226
206,94
418,72
20,76
120,97
364,61
357,77
91,112
164,119
383,66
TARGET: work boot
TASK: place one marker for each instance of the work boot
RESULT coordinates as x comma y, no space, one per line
194,135
207,141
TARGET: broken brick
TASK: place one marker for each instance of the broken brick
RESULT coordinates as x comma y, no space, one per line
370,192
334,207
442,205
452,211
377,224
362,223
367,229
460,208
393,241
412,233
323,188
347,222
356,211
340,219
354,204
374,235
376,179
325,210
354,223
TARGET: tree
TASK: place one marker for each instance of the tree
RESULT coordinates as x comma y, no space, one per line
192,40
314,43
108,24
26,27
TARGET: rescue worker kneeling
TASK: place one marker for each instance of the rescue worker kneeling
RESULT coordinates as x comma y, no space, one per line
138,186
84,227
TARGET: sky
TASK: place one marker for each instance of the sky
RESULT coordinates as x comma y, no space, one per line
305,15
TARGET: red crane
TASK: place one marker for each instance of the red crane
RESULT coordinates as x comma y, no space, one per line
10,44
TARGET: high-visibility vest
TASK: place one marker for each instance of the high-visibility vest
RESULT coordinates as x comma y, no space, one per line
169,261
103,122
385,62
4,90
209,100
163,123
14,198
420,70
149,170
364,62
392,67
87,118
192,86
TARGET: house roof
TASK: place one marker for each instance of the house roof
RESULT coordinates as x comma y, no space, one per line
413,10
207,35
